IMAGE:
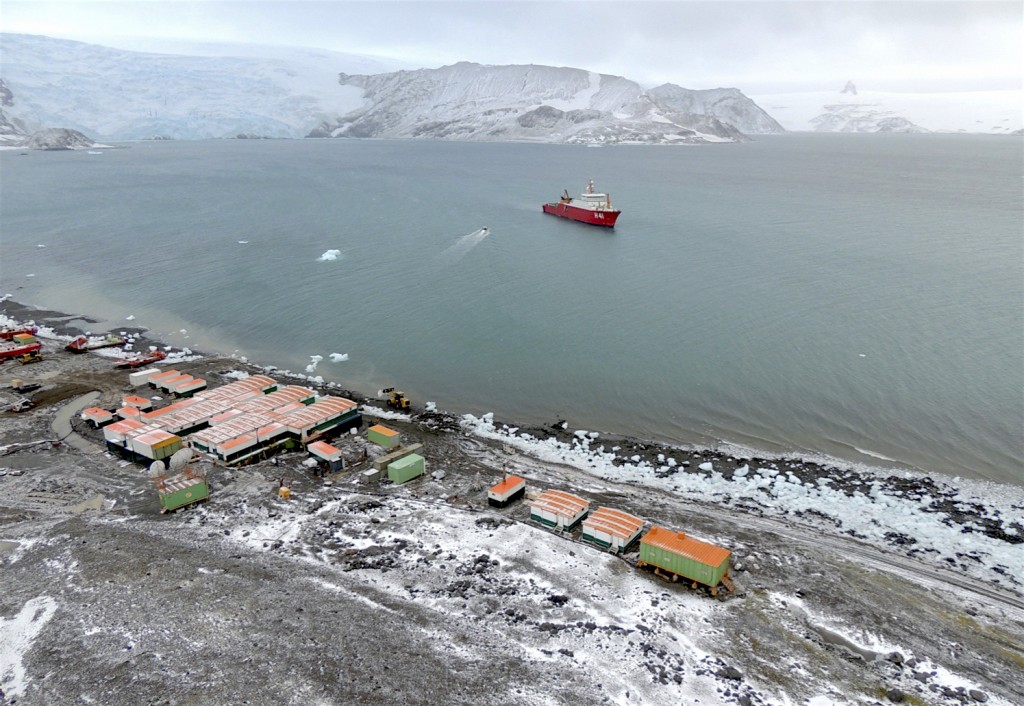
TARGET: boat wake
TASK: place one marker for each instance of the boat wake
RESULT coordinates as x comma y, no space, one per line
458,250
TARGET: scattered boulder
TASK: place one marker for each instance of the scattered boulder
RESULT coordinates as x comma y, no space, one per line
895,695
730,673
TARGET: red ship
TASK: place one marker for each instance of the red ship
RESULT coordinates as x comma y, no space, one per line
138,361
7,333
591,207
83,343
13,350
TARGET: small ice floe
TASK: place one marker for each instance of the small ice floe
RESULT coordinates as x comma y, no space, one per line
243,242
130,317
339,357
31,274
183,330
863,355
329,256
40,245
314,360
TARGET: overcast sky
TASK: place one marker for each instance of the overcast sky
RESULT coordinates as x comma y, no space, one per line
759,46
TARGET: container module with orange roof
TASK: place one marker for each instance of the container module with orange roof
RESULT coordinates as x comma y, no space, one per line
384,436
558,509
142,403
611,529
97,416
510,489
679,555
327,453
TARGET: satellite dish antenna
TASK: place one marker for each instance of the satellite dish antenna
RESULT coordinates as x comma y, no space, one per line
180,459
156,469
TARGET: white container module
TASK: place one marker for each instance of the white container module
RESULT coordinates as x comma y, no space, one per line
558,509
168,384
507,491
154,380
156,445
612,529
97,416
188,387
115,433
143,403
233,448
141,377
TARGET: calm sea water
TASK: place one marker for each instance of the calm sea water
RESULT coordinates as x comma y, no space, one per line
850,295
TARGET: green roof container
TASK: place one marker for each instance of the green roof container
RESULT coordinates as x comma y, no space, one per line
406,468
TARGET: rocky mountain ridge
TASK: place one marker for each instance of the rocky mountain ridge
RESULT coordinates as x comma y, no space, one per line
468,101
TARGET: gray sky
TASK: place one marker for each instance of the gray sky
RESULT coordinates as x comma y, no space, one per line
758,46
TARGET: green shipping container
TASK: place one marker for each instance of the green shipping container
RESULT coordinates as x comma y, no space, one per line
406,468
689,558
181,493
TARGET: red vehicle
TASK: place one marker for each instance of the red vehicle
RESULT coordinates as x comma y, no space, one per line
590,207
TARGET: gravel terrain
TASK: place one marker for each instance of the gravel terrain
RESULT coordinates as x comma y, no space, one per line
422,594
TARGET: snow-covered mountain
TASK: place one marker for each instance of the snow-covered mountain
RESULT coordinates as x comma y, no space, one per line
468,101
853,110
116,94
727,104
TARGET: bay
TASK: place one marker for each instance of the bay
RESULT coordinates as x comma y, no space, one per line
856,296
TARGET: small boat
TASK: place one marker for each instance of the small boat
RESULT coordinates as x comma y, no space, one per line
84,343
590,207
140,360
9,332
13,349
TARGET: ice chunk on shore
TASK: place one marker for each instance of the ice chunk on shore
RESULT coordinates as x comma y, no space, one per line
339,357
314,360
706,466
329,256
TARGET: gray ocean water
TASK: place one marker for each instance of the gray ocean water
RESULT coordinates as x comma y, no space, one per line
858,296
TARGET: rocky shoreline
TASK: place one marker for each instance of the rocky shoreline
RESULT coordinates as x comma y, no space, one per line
852,587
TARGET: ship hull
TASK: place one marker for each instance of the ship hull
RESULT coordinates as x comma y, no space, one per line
605,218
13,350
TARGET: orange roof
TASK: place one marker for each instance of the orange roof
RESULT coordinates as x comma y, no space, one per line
510,483
135,401
324,450
679,543
614,522
237,441
165,375
560,503
125,425
383,430
96,412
